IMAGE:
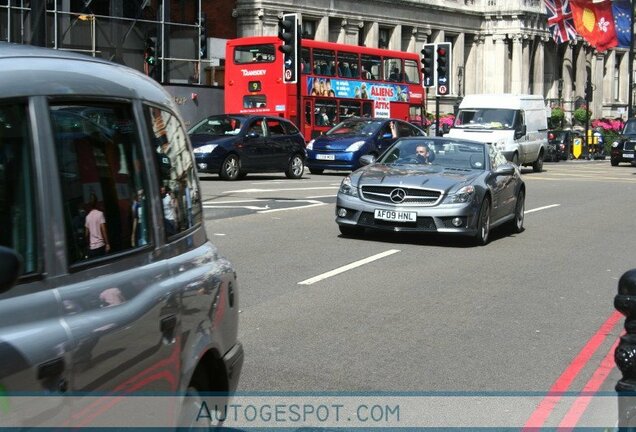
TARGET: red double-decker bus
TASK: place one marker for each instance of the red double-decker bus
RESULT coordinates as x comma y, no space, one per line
337,81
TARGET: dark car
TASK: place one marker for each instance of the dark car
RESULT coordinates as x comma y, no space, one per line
623,147
234,145
560,145
467,188
341,147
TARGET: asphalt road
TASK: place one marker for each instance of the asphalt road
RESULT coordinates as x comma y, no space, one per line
526,313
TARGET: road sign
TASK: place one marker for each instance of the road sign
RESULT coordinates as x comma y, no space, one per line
442,90
577,147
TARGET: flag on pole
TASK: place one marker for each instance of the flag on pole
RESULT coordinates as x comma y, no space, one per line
560,20
594,22
622,21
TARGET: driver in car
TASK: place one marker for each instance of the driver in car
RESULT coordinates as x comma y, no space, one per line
423,154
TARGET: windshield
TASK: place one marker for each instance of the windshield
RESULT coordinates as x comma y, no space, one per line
355,127
446,153
630,128
485,118
218,126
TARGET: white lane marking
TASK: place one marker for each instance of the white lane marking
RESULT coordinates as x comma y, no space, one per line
312,204
235,207
278,190
348,267
219,234
541,208
321,196
211,202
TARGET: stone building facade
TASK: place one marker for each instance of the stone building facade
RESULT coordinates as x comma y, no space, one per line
498,45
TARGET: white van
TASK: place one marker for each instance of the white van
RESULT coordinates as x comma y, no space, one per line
516,124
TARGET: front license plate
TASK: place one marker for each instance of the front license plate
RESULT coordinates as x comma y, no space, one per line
628,155
325,157
397,216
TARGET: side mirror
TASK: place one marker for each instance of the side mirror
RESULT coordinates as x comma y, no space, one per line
367,160
387,136
10,268
505,170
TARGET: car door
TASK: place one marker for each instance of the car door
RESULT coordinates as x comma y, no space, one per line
253,149
35,345
280,143
502,186
119,304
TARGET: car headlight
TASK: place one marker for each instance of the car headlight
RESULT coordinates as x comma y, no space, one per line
310,145
463,195
347,187
355,146
208,148
615,144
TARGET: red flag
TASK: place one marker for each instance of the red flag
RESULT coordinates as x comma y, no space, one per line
594,22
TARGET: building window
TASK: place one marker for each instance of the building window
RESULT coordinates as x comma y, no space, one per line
309,29
383,38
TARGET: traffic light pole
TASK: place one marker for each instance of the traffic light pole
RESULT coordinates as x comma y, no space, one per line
299,104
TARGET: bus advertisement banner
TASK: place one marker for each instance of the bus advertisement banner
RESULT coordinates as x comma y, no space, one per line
354,89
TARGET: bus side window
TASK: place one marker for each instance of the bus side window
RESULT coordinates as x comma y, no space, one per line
308,113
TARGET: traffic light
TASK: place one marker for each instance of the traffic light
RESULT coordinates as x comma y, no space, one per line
203,38
288,34
443,60
428,59
150,54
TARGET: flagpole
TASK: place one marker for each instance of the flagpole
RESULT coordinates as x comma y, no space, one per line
630,56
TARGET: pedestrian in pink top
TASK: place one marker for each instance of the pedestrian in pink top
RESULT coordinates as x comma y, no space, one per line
96,230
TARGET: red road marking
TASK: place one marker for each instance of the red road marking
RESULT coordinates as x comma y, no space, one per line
580,404
562,384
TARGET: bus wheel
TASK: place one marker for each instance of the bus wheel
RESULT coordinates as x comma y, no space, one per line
230,168
295,167
315,171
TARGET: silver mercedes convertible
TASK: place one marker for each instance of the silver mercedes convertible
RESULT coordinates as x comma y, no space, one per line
431,184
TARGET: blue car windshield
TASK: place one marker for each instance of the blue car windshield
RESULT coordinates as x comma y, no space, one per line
355,127
218,126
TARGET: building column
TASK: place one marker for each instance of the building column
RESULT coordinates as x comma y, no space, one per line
395,41
496,78
517,59
598,76
322,29
420,37
566,74
624,79
373,35
458,65
538,80
488,52
525,60
608,79
350,31
581,71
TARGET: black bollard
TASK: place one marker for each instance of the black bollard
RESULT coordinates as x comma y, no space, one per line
625,354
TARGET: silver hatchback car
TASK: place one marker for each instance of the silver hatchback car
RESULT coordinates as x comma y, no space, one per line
108,281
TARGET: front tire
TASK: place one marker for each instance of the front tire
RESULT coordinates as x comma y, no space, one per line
230,168
520,208
614,162
537,166
295,167
483,223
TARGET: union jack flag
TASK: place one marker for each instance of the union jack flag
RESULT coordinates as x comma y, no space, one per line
560,20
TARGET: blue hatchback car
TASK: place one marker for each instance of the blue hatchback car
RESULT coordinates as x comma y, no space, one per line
341,147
